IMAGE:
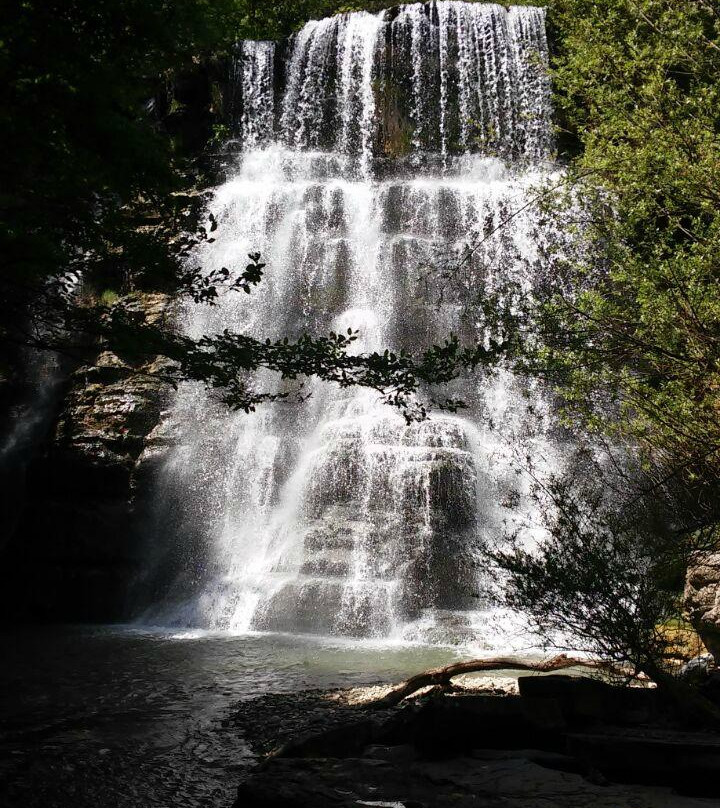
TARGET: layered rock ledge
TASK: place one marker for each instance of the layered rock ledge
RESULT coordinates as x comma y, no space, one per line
73,550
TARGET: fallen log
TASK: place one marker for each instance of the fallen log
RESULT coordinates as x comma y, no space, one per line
443,676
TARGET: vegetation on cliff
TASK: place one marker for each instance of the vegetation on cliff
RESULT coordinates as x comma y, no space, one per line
637,84
630,330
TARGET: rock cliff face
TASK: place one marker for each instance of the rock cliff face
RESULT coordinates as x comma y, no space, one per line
81,440
702,600
73,549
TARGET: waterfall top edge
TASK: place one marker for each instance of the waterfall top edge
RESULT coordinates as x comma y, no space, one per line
443,78
387,14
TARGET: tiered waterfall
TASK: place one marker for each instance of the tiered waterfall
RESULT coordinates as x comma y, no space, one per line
372,149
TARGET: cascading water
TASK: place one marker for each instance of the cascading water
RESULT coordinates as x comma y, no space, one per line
447,76
398,138
254,71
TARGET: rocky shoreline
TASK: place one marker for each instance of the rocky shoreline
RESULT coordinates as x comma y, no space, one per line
555,741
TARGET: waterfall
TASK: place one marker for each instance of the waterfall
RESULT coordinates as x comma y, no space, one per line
455,77
393,140
254,71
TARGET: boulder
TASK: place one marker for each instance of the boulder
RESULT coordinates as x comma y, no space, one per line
689,763
702,599
443,726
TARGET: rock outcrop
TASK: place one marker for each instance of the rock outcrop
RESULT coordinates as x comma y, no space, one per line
702,599
73,551
556,744
112,407
483,779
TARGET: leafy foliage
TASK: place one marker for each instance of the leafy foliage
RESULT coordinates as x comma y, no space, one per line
636,344
606,579
82,155
203,287
628,327
227,360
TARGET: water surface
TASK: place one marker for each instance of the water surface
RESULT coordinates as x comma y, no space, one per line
116,716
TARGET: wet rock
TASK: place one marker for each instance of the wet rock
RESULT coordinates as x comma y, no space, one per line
395,754
73,548
306,606
344,740
445,628
463,782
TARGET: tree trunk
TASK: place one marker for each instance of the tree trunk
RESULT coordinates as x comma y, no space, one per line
442,676
690,704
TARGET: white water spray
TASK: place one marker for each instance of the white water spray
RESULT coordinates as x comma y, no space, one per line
334,515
